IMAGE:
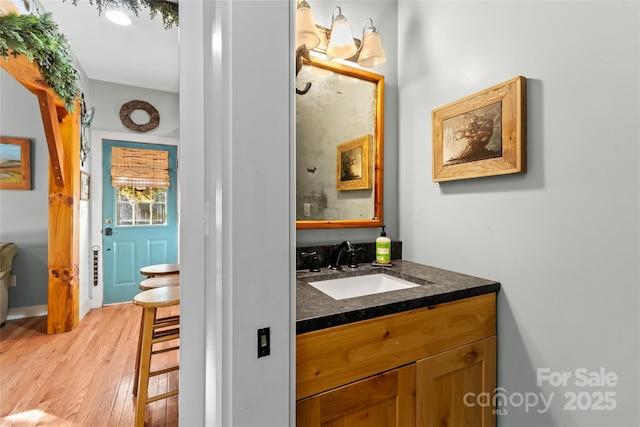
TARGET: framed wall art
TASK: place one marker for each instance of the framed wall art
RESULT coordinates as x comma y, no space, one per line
481,135
15,163
353,164
85,186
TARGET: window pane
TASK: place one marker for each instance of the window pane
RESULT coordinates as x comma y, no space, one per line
159,195
143,214
141,206
124,214
158,214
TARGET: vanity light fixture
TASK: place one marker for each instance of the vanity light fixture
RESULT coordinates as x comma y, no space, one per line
341,43
338,42
371,51
306,31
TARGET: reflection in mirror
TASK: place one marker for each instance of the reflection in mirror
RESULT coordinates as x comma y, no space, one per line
339,147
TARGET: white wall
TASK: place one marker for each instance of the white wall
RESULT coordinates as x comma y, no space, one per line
563,239
237,216
24,217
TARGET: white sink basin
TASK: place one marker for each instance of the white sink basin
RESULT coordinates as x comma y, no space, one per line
357,286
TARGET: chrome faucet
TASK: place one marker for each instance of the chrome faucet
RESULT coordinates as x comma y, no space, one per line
337,251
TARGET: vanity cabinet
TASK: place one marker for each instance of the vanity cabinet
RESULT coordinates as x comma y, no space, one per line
387,399
411,368
455,388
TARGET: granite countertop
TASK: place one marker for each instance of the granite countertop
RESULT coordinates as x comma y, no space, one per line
316,310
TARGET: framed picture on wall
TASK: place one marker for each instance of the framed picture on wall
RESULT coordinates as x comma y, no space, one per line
85,186
481,135
15,163
353,164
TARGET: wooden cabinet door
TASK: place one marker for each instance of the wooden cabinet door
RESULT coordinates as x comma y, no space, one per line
448,386
383,400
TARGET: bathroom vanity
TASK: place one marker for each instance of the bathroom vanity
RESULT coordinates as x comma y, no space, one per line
419,356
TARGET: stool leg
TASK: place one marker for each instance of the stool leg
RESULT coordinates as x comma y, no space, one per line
137,373
145,364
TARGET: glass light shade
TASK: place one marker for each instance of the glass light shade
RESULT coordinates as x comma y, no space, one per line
306,32
371,55
341,44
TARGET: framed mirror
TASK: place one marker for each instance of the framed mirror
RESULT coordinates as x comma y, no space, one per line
339,147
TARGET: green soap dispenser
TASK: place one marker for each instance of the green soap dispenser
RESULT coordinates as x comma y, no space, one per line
383,248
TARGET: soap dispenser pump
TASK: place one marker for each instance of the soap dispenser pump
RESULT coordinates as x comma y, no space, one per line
383,248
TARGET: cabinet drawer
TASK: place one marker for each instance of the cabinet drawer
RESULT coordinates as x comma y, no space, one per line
335,356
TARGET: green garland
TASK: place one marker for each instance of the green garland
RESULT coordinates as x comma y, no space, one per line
37,38
167,9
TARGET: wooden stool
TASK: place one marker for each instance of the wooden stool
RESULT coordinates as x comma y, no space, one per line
160,270
160,282
154,331
145,285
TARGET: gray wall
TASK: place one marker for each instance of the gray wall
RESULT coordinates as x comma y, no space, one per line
108,98
24,215
384,15
563,239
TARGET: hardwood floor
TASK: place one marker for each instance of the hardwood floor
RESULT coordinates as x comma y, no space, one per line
79,378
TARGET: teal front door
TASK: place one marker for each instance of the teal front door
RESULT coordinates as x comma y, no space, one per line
138,226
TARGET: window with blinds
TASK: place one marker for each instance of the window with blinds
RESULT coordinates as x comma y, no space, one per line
142,179
140,168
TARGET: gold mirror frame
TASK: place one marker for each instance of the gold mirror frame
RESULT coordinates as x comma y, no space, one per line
378,144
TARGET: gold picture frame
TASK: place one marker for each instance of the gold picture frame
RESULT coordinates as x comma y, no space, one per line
353,165
15,163
85,186
481,135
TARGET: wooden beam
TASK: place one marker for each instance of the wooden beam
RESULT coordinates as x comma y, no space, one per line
52,132
51,107
64,232
62,132
27,73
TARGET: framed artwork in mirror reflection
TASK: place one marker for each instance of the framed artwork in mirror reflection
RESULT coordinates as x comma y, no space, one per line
481,135
353,164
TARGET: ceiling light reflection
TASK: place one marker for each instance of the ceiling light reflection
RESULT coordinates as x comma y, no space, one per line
118,17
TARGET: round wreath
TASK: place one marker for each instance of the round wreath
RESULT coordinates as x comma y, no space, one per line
131,106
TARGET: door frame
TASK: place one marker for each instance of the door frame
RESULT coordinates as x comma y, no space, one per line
97,136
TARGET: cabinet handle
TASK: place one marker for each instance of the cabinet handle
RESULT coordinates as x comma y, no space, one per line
470,356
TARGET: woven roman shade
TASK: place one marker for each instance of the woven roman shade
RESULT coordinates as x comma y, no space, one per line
141,168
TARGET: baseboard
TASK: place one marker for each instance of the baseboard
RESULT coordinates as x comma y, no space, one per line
30,311
85,307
